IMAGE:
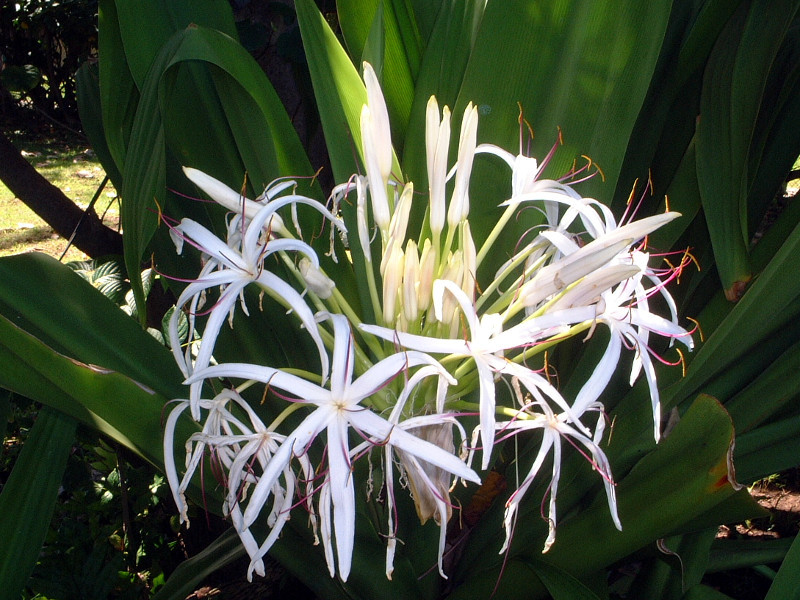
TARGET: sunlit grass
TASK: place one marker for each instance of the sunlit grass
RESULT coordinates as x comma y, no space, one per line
70,166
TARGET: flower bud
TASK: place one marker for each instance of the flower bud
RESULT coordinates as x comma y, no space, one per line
459,203
425,498
427,266
377,184
392,280
411,282
315,279
437,142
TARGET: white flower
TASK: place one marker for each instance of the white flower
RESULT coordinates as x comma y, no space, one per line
337,409
626,312
535,414
486,346
232,271
237,450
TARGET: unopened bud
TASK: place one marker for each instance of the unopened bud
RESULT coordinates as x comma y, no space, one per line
315,279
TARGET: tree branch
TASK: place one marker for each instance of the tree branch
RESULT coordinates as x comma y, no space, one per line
50,203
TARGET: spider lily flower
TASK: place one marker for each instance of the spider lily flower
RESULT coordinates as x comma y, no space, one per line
245,208
233,271
430,484
579,261
579,269
225,196
486,347
238,448
219,421
625,310
536,414
337,409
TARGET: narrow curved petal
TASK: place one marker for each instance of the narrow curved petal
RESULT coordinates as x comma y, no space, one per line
342,495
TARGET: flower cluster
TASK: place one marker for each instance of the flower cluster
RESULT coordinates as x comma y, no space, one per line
439,349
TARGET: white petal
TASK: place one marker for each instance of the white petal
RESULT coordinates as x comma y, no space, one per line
343,495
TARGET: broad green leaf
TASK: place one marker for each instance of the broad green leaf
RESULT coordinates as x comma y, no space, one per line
164,19
692,480
667,120
773,389
728,554
28,497
106,400
245,128
400,54
375,46
118,93
5,411
425,12
90,109
560,584
679,565
693,477
338,88
441,74
704,592
770,301
340,94
69,327
733,87
546,57
786,585
64,311
768,449
775,145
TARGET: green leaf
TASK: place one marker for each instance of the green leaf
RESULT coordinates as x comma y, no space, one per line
769,305
118,92
768,449
733,88
727,554
338,88
112,403
546,57
164,19
686,476
90,110
560,584
400,53
679,565
28,497
243,127
667,121
69,327
786,585
704,592
65,312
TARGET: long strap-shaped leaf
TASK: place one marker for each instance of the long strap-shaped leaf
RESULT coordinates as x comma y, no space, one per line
786,585
103,399
682,483
28,497
733,87
770,303
252,131
400,54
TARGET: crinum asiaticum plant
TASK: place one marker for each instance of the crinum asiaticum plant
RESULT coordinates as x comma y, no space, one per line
451,348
